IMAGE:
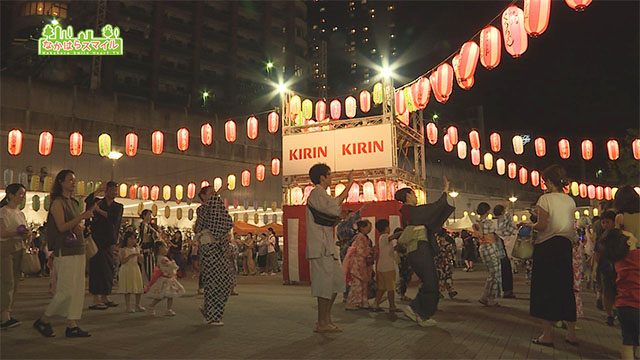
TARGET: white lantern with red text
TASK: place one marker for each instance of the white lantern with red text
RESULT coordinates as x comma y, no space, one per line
354,193
321,110
245,178
496,143
230,131
448,146
75,144
335,108
273,121
522,175
432,133
535,178
420,91
536,16
45,143
217,184
462,150
587,149
182,139
350,107
260,172
155,192
490,47
513,31
381,190
518,144
252,127
564,149
613,150
500,166
591,192
368,190
275,166
541,147
14,142
512,170
206,134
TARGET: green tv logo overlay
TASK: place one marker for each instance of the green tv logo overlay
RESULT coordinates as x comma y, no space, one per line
58,41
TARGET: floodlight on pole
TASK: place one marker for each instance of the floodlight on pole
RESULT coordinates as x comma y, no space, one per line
282,88
114,155
454,194
513,199
386,72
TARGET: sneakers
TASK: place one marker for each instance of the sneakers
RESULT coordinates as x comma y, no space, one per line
76,332
214,323
427,323
408,312
9,324
170,313
44,329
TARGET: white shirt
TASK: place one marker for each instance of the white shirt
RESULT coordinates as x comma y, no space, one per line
272,244
12,218
385,256
561,209
459,243
320,240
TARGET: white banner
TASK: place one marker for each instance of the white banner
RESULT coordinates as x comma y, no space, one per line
359,148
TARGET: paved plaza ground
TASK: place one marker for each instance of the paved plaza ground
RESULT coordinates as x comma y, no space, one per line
269,320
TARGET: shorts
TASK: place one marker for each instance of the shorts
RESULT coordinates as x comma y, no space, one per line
630,324
386,281
327,278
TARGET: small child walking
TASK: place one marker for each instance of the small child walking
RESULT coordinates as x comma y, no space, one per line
164,283
385,267
129,275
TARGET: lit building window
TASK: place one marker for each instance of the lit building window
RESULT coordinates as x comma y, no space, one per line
366,28
390,7
335,28
373,51
372,11
45,8
366,40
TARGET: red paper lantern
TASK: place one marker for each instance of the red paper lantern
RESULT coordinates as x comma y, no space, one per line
273,121
599,193
541,147
230,131
587,149
578,5
469,54
275,166
463,83
475,157
512,170
183,139
144,192
245,178
448,146
350,107
420,91
205,183
536,16
636,149
452,131
474,139
14,143
494,139
335,108
75,144
582,188
522,175
564,148
45,143
591,192
442,82
513,31
321,110
535,178
613,150
155,192
260,172
433,80
401,105
133,191
131,144
157,142
365,101
191,190
608,193
490,47
206,134
252,128
432,133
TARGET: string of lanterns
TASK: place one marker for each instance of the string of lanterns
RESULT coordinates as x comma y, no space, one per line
183,135
380,190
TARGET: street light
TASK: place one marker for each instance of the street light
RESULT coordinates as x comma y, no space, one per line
282,88
386,72
513,199
454,194
114,155
269,66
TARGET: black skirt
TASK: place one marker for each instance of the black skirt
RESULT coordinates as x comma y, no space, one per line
552,296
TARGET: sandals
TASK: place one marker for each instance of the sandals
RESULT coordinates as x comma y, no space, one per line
43,328
536,341
76,332
330,329
98,307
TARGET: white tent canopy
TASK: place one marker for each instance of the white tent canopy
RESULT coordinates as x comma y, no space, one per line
464,223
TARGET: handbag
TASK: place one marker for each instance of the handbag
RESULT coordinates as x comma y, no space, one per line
30,264
523,247
91,249
323,219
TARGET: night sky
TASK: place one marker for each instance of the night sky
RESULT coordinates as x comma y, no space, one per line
579,78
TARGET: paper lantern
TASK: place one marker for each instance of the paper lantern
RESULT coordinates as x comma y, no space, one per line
182,139
578,5
432,133
452,131
442,82
564,148
45,143
599,193
378,93
231,182
217,184
522,175
80,187
536,16
245,178
354,193
365,101
535,178
488,161
335,108
154,210
131,144
35,203
582,190
462,150
252,127
541,147
573,187
513,31
125,191
607,193
339,189
381,190
420,92
297,196
474,139
260,171
273,121
47,202
518,144
321,110
494,140
368,190
144,192
448,146
475,157
75,144
179,192
404,118
636,149
469,55
307,109
512,170
613,150
204,184
167,212
157,142
500,166
191,190
104,144
587,149
591,192
206,134
166,192
465,84
295,106
490,47
400,104
14,142
34,184
275,166
350,107
230,131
